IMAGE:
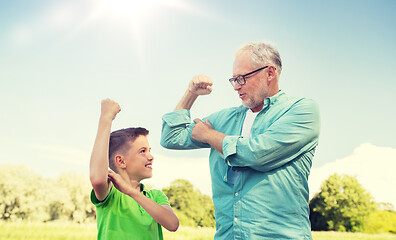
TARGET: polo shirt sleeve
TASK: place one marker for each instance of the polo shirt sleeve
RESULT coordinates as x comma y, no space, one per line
176,131
159,197
292,134
105,201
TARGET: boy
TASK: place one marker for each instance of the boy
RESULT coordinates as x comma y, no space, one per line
128,210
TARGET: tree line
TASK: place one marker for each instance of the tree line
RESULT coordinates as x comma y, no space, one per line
341,204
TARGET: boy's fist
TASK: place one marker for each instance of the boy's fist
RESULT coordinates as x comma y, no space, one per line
110,108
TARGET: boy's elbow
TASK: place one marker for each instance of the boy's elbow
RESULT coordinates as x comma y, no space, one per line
174,226
97,182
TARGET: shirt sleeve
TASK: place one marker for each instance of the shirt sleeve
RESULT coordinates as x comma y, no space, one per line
176,131
105,201
292,134
160,198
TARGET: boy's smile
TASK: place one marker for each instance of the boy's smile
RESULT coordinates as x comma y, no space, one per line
139,160
149,165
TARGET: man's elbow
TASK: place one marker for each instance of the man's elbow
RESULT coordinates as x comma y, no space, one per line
163,143
167,143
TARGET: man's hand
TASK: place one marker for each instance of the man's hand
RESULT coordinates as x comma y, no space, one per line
200,85
109,109
204,132
201,130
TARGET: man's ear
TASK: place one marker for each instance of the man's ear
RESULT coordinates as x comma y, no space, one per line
271,73
119,160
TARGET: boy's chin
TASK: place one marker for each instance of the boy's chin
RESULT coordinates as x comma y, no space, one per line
147,176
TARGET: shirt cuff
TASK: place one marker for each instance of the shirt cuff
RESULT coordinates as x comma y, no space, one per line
178,117
229,147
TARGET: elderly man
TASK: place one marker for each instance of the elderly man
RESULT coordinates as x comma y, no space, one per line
261,152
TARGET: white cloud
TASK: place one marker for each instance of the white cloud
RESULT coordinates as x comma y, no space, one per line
61,153
55,19
21,37
195,170
372,166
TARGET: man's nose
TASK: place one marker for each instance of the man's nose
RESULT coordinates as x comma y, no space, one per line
237,86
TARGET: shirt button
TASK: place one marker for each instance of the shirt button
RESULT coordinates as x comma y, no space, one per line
235,219
236,194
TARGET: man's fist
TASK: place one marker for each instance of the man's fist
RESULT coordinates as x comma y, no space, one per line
200,85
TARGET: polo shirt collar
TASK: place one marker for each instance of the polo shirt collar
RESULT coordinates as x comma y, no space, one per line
143,188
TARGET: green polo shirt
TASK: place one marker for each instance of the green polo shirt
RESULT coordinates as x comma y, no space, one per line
119,216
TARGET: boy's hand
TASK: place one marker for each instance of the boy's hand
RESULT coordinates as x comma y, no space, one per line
200,85
123,185
109,109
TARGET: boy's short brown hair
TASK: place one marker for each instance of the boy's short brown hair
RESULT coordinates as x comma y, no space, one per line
121,140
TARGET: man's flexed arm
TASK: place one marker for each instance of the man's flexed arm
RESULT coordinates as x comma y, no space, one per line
99,162
204,132
199,85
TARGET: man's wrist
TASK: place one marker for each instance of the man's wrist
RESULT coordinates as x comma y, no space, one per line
190,93
215,140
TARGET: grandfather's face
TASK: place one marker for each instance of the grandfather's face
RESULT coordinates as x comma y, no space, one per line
255,90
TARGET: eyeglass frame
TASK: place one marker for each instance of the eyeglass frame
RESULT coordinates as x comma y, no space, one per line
242,77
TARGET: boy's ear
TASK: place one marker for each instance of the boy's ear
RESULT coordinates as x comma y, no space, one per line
119,160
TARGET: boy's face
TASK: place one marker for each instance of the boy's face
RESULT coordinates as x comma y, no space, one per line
139,159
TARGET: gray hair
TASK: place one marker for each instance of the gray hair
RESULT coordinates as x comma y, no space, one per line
262,53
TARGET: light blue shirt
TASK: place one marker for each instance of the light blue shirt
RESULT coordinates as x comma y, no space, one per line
269,199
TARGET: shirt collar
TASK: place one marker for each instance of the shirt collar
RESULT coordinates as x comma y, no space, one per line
143,188
267,101
273,99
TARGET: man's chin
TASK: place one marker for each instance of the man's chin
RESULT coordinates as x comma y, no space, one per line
247,104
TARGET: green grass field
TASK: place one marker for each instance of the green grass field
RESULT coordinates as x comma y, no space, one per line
66,231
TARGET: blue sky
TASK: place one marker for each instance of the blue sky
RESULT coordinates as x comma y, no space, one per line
58,59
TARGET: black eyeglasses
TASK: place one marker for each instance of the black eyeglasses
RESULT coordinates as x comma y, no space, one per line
241,79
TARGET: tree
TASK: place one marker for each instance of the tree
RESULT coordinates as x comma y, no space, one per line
26,196
21,194
382,220
192,207
72,200
341,205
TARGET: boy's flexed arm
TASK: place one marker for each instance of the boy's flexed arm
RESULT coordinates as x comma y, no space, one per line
163,214
99,163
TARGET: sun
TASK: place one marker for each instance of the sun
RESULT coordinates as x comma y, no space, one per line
134,12
134,17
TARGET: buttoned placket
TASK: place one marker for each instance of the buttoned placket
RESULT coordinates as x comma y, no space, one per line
237,188
237,208
237,198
